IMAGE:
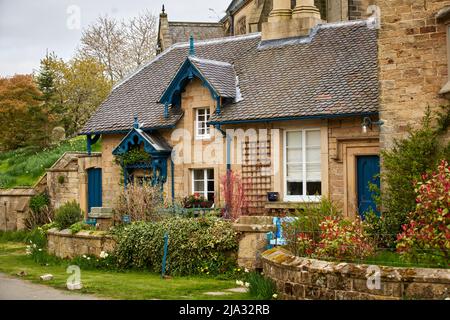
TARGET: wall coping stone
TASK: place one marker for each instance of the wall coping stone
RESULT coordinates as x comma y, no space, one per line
280,256
85,234
253,227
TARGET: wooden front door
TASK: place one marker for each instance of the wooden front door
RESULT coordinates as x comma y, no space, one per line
368,170
94,188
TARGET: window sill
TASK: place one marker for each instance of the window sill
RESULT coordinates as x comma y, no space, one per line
203,138
286,204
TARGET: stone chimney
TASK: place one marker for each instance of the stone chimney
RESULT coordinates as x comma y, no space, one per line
286,23
164,39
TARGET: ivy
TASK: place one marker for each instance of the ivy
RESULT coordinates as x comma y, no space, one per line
133,156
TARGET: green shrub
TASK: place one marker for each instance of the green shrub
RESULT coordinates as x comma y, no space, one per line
68,214
259,287
39,201
409,158
194,243
78,226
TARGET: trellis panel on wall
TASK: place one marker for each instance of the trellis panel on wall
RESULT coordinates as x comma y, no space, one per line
256,174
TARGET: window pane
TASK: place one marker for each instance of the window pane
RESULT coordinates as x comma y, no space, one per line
294,155
210,174
294,139
313,172
295,171
198,175
313,155
200,112
313,138
199,186
294,188
313,188
210,185
210,196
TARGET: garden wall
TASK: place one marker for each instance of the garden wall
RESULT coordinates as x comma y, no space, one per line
13,208
64,244
302,278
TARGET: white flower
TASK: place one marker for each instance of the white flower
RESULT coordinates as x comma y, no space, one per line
274,296
103,254
89,258
84,256
246,270
40,249
239,283
247,284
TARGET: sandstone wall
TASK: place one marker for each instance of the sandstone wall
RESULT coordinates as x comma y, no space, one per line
302,278
412,61
64,244
13,207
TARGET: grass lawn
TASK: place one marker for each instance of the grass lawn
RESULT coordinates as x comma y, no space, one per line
23,167
116,285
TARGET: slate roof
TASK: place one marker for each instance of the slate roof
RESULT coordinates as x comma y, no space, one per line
333,72
180,31
220,75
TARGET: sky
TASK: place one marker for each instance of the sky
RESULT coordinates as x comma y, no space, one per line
28,28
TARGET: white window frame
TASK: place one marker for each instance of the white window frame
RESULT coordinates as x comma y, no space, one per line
304,197
205,181
206,135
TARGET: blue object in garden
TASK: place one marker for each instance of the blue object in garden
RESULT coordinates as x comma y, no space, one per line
269,240
91,221
166,243
277,239
126,219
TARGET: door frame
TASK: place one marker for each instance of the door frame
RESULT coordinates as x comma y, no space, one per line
350,152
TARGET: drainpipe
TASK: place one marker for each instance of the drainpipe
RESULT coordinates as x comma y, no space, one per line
172,170
228,151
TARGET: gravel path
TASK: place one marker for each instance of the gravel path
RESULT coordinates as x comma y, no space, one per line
17,289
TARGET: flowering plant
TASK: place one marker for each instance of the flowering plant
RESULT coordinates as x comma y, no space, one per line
427,234
196,200
342,239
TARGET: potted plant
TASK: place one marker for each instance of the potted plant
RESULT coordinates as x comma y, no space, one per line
197,201
272,196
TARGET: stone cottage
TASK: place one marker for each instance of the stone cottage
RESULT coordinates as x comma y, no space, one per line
292,109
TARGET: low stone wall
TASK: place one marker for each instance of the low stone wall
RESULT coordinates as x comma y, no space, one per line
64,244
13,207
302,278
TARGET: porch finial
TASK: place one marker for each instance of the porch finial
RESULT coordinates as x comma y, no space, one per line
191,45
136,122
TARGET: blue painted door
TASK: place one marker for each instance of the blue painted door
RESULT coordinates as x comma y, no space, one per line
94,188
368,170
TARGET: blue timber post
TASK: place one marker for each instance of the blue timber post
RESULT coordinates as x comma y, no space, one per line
166,244
90,141
217,105
172,173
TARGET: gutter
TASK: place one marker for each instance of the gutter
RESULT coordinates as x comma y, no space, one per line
329,116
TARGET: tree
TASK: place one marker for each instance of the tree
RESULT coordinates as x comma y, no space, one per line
50,111
120,46
83,89
19,105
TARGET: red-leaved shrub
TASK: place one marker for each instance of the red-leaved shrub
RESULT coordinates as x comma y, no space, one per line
343,239
427,235
233,193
